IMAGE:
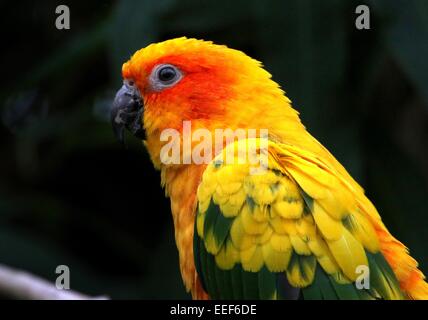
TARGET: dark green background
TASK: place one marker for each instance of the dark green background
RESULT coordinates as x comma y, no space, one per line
70,194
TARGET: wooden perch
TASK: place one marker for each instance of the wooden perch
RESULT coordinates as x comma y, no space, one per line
17,284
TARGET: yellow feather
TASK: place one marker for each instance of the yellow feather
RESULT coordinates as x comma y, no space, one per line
306,227
348,253
203,205
220,192
203,193
330,228
229,210
338,203
318,246
211,243
290,189
260,213
281,190
238,198
275,261
220,199
252,258
262,194
288,210
363,231
200,220
240,239
328,264
209,181
265,237
313,168
251,226
299,245
228,174
280,243
320,249
227,256
309,180
301,273
230,187
283,226
266,178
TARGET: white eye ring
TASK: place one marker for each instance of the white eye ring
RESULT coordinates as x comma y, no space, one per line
164,76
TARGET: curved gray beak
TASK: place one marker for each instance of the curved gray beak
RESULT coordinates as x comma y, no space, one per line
127,112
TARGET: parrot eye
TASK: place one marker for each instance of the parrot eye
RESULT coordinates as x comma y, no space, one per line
165,76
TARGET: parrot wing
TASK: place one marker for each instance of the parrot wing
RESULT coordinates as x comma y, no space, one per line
294,230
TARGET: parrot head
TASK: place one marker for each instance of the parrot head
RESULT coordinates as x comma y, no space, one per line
183,79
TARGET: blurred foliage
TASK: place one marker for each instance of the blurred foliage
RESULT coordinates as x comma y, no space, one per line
69,194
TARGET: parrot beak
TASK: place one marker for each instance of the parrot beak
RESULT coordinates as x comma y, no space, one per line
127,112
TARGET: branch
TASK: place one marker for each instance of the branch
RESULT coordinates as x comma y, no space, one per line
22,285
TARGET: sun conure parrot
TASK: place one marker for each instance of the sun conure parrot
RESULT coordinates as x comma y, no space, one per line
300,229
